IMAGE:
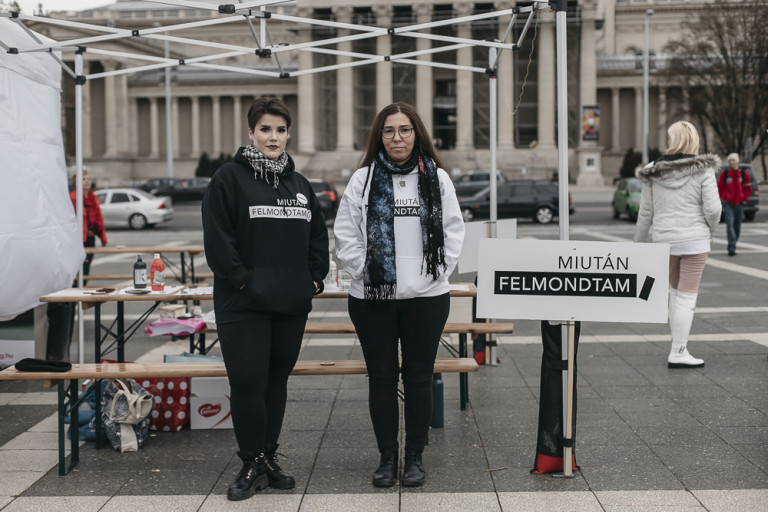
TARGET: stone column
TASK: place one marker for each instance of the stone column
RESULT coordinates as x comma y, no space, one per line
195,115
590,172
662,125
506,86
111,116
154,129
424,83
345,118
383,15
237,122
638,118
306,84
547,100
615,118
175,125
216,122
464,87
133,122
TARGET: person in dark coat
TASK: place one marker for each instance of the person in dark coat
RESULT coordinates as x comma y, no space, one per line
266,241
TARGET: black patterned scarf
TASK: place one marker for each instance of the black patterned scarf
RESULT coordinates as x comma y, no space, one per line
263,166
380,273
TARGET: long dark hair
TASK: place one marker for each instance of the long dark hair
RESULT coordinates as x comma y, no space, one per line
422,144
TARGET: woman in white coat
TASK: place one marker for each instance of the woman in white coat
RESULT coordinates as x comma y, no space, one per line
399,233
680,205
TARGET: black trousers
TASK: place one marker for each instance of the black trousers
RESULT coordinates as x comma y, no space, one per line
418,324
61,317
259,355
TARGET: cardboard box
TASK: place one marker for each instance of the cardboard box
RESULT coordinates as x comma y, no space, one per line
209,403
12,351
172,310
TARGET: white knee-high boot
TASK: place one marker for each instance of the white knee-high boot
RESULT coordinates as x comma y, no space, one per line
682,306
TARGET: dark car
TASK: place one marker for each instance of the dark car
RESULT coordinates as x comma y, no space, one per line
178,189
753,203
471,183
537,200
325,190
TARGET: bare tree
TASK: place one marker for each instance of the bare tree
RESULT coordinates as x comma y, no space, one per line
721,59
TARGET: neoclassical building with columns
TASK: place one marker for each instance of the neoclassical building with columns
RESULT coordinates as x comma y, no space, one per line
125,115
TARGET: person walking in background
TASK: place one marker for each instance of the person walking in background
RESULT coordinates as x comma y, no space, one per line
735,187
680,206
399,233
61,315
266,241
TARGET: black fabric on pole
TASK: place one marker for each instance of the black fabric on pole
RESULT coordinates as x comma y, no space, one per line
550,442
478,344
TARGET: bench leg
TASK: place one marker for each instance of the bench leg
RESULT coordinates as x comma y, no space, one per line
74,423
463,377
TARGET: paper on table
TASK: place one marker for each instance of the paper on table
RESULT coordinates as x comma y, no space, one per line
203,290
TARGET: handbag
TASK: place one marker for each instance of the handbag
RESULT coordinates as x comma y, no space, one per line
125,413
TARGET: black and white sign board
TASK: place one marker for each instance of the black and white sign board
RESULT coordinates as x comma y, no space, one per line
473,232
573,280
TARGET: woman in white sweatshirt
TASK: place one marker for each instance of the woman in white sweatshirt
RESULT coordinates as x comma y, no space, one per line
399,232
680,205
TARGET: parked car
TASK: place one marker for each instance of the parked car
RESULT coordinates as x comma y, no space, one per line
325,190
516,199
626,198
753,204
178,189
133,208
471,183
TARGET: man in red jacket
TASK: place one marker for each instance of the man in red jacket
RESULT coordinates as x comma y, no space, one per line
735,187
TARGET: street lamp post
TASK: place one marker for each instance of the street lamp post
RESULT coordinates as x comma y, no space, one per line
648,14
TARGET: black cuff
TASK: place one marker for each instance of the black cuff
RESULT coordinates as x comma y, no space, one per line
320,287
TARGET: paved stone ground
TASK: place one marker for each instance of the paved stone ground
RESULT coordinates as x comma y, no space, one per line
648,438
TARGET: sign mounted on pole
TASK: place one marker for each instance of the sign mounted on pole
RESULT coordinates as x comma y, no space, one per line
568,280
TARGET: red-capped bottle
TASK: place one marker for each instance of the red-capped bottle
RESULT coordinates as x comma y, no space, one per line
157,274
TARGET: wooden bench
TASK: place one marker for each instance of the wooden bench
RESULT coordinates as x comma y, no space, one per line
462,329
69,401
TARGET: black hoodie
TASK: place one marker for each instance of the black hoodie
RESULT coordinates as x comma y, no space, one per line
265,245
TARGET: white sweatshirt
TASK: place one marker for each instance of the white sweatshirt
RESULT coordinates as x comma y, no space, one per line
350,232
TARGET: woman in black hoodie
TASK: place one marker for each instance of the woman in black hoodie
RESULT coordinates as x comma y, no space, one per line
267,244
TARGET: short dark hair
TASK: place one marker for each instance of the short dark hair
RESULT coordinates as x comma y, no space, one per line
422,144
267,105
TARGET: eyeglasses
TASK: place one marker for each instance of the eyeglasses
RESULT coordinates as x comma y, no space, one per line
389,133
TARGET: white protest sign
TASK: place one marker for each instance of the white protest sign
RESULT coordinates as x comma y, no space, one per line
473,232
570,280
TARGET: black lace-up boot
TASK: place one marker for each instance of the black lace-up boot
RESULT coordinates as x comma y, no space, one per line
252,478
386,474
278,478
413,469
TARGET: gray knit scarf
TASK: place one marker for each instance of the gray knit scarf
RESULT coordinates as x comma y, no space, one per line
263,166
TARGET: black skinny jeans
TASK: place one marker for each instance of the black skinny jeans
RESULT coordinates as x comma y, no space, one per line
259,355
418,324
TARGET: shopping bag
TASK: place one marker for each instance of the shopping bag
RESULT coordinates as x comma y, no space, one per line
125,413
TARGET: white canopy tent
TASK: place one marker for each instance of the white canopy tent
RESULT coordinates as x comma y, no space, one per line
256,10
42,244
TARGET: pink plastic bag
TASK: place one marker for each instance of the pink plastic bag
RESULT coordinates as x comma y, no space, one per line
175,326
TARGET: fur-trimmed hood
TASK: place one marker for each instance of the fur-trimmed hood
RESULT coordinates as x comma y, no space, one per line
672,171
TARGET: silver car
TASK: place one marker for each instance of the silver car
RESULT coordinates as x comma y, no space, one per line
134,208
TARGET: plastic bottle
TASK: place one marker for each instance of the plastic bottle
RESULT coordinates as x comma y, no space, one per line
330,280
157,274
139,273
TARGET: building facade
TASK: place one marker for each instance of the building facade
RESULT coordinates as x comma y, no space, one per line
125,115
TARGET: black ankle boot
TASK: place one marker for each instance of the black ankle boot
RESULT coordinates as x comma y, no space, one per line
386,473
278,478
413,470
252,478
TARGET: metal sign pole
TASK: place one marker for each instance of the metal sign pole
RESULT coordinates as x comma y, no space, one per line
168,115
492,114
568,328
79,82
